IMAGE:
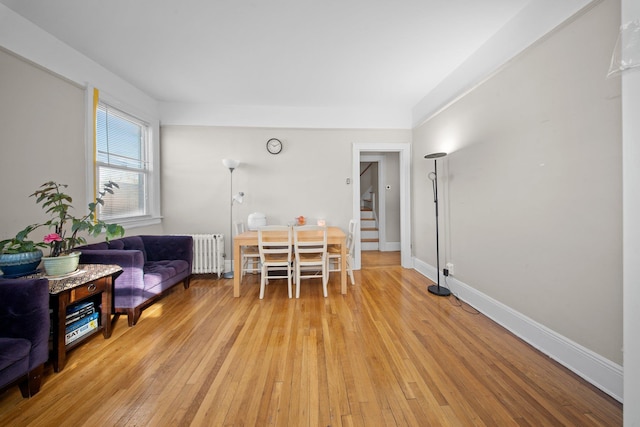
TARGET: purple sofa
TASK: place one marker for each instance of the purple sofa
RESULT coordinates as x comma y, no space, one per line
24,333
150,264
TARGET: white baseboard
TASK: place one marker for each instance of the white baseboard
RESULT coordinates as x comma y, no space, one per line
597,370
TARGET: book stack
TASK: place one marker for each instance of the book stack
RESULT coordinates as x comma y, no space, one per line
82,318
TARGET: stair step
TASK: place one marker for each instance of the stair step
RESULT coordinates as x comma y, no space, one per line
370,246
370,240
368,228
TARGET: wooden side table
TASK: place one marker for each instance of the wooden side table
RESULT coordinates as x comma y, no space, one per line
91,282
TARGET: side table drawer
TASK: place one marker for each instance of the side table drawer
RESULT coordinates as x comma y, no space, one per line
88,289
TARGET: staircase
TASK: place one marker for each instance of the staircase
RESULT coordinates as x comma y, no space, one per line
369,237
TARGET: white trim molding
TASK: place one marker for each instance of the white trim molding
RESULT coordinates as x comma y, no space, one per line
597,370
404,150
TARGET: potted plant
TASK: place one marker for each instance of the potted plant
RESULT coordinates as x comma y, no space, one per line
62,259
67,232
18,255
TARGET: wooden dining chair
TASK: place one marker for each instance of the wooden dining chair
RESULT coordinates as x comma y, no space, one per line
310,246
276,255
249,255
333,252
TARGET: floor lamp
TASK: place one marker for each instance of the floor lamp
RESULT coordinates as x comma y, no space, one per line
433,176
231,164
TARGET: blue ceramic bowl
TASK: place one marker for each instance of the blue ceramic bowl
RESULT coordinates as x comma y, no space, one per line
16,265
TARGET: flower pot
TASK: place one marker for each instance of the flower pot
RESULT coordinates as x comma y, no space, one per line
16,265
61,265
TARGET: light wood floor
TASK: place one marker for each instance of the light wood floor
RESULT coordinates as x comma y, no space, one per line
386,354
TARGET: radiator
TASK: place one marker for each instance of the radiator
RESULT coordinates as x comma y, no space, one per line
208,253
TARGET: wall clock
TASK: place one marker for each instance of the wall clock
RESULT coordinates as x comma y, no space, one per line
274,146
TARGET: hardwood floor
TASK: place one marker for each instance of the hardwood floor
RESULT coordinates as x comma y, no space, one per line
386,354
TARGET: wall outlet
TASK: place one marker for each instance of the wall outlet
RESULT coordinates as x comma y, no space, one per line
449,267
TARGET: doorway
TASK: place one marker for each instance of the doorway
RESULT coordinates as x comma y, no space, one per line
404,167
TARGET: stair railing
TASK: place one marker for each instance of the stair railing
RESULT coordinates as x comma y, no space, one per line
366,169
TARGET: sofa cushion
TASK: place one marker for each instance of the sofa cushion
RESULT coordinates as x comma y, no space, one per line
101,246
134,243
14,359
157,272
116,244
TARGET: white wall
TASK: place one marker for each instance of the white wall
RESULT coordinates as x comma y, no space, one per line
532,187
307,178
42,134
358,117
532,23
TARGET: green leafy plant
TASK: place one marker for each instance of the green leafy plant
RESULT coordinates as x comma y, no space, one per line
66,227
58,204
20,243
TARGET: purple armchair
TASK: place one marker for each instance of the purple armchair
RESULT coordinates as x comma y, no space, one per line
150,264
24,333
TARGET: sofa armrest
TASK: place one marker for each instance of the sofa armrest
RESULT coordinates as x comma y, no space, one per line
24,313
167,247
131,281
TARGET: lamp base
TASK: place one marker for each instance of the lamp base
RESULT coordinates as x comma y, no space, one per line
228,275
439,290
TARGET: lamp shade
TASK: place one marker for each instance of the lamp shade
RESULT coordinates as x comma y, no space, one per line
239,197
230,163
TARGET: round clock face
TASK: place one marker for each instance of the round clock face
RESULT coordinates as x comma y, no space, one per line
274,146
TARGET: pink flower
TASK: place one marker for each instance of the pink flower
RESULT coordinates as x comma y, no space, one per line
53,237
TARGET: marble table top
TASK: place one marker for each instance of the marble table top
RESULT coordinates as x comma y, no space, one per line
85,273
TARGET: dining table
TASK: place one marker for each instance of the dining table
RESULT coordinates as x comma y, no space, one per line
335,236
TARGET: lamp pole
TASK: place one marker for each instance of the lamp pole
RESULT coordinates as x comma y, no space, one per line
231,164
436,289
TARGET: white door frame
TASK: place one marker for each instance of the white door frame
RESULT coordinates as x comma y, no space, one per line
404,153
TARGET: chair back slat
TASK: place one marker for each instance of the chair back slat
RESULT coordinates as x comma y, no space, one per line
274,240
310,240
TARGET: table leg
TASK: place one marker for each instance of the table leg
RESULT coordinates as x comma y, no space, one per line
236,269
106,307
59,354
343,267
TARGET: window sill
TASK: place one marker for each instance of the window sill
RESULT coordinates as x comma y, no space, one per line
137,222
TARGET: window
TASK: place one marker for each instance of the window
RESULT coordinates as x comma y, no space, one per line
122,156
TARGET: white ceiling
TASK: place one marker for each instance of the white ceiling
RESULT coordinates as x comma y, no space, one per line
285,53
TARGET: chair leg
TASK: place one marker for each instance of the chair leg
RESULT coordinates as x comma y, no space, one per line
263,280
325,278
350,270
